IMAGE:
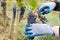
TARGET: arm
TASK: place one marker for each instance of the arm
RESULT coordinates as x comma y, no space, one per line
49,6
56,30
57,7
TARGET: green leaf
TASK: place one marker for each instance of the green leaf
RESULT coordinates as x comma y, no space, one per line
33,4
19,3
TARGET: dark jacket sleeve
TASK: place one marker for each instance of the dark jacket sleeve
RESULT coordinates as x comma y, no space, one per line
57,8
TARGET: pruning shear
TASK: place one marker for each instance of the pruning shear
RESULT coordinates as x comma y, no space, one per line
41,17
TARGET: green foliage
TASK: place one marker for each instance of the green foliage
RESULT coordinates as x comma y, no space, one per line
33,4
53,18
19,3
18,38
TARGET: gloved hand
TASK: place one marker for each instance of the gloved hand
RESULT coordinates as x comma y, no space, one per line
38,30
43,11
48,6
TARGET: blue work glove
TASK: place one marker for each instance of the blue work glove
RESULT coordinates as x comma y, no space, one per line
34,30
49,6
43,11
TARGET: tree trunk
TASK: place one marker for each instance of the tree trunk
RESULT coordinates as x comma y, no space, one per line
4,15
11,29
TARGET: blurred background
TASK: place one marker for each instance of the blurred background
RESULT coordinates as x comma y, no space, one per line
12,29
